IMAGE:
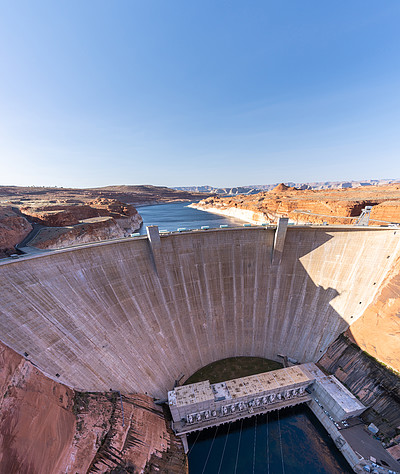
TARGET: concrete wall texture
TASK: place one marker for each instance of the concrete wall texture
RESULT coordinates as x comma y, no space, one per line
120,316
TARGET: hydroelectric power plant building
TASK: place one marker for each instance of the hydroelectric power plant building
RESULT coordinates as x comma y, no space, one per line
201,405
136,314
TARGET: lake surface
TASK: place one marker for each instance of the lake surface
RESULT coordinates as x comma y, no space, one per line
171,216
295,442
289,441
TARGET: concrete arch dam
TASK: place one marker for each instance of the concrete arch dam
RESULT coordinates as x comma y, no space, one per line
132,316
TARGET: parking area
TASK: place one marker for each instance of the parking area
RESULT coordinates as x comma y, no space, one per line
363,442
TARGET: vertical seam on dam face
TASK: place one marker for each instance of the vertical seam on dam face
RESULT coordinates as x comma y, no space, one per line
102,318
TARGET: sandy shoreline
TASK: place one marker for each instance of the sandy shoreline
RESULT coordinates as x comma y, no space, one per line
253,217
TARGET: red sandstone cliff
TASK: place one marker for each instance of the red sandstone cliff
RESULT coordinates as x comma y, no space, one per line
36,421
71,224
13,229
377,331
45,427
340,206
388,210
62,214
88,230
66,208
375,386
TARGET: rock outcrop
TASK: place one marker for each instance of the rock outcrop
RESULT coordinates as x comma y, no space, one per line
37,424
71,224
388,211
13,229
88,230
376,387
122,434
45,427
377,331
60,215
341,206
282,188
65,208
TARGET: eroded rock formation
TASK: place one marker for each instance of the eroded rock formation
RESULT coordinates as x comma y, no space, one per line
45,427
377,331
76,213
37,424
376,386
67,224
340,206
13,229
88,230
59,215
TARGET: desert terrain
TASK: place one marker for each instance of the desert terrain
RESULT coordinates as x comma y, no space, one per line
331,206
63,216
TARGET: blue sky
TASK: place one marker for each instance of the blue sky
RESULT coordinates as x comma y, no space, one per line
181,93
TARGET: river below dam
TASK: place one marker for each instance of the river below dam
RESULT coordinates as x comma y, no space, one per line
291,441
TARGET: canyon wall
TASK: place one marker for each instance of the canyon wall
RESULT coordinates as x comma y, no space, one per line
376,387
120,315
13,229
45,427
36,420
377,331
90,230
340,206
67,224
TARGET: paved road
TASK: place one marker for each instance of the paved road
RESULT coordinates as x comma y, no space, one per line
36,229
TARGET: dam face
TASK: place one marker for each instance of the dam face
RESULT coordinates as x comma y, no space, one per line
125,316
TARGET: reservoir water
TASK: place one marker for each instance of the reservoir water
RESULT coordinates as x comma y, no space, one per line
171,216
291,441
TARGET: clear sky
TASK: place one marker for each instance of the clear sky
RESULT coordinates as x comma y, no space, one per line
189,92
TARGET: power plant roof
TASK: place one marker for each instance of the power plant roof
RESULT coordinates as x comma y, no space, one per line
238,388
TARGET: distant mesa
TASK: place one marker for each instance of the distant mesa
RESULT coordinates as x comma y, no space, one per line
254,188
281,188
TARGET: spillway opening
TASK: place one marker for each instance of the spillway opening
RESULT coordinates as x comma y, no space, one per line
288,441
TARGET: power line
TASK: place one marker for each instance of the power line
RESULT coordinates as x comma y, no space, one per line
255,440
209,451
237,453
197,437
280,442
267,445
223,451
